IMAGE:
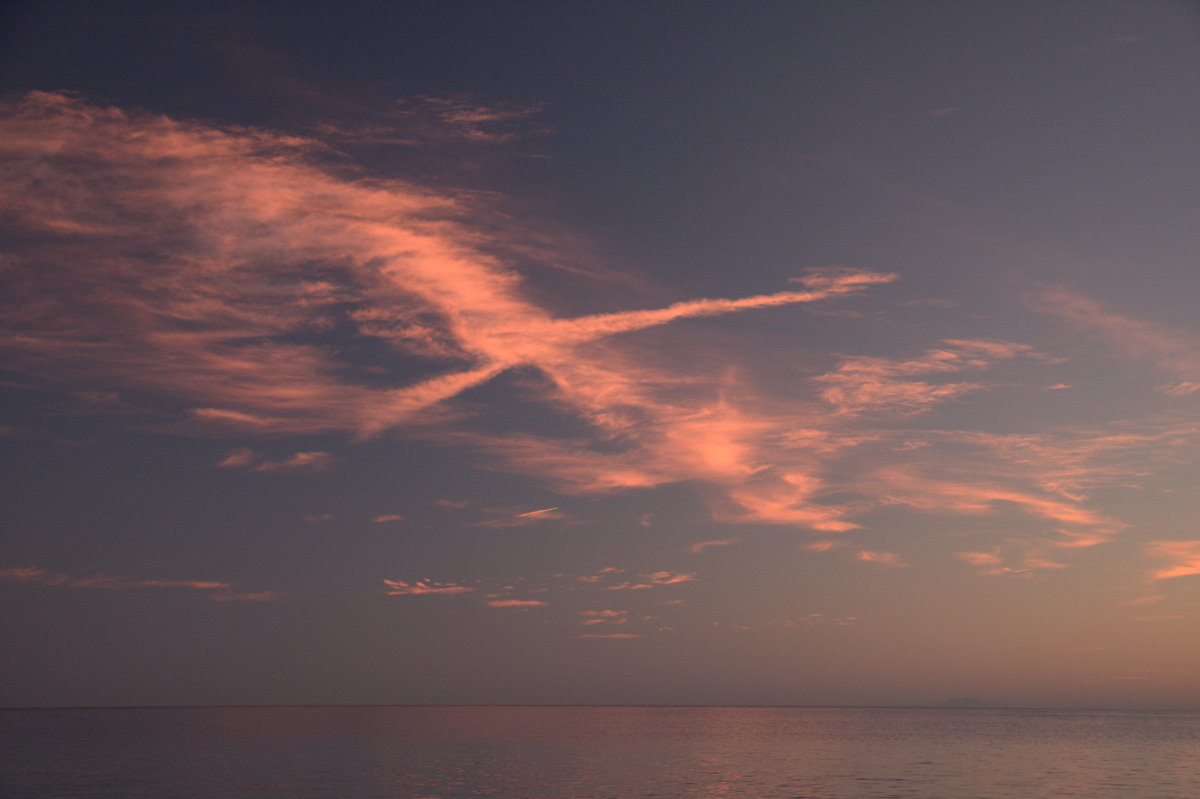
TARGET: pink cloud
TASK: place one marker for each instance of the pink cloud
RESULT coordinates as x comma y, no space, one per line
512,518
33,574
1145,600
669,578
863,384
462,117
245,458
652,580
614,636
1183,388
300,460
785,497
981,495
1014,556
542,513
218,591
234,596
701,546
591,617
190,262
202,585
825,546
421,271
520,604
981,559
822,286
1169,351
1183,557
402,588
889,559
238,458
388,517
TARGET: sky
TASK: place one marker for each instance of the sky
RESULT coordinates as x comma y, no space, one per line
600,353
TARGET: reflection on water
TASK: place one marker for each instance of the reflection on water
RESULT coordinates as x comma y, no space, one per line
408,752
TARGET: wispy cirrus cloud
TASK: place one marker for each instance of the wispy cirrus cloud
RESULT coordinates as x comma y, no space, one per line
1001,560
518,604
669,577
249,459
889,559
223,267
467,118
1183,558
217,591
862,384
1151,599
419,587
1173,353
517,518
592,617
255,285
227,269
645,582
701,546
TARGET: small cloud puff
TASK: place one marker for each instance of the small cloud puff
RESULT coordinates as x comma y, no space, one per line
519,604
1183,557
218,591
245,458
402,588
701,546
604,617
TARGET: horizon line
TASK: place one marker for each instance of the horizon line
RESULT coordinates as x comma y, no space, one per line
945,705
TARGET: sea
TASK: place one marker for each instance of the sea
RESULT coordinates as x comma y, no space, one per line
594,752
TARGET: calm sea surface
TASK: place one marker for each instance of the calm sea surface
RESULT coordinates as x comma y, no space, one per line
409,752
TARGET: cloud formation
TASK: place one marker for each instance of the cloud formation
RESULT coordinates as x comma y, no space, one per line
217,591
863,384
228,267
418,587
701,546
245,458
1183,558
519,604
1175,354
592,617
517,518
250,283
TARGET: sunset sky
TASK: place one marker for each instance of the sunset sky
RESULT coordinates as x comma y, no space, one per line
640,353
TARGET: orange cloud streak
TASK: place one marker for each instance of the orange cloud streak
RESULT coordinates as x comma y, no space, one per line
1184,557
218,591
402,588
